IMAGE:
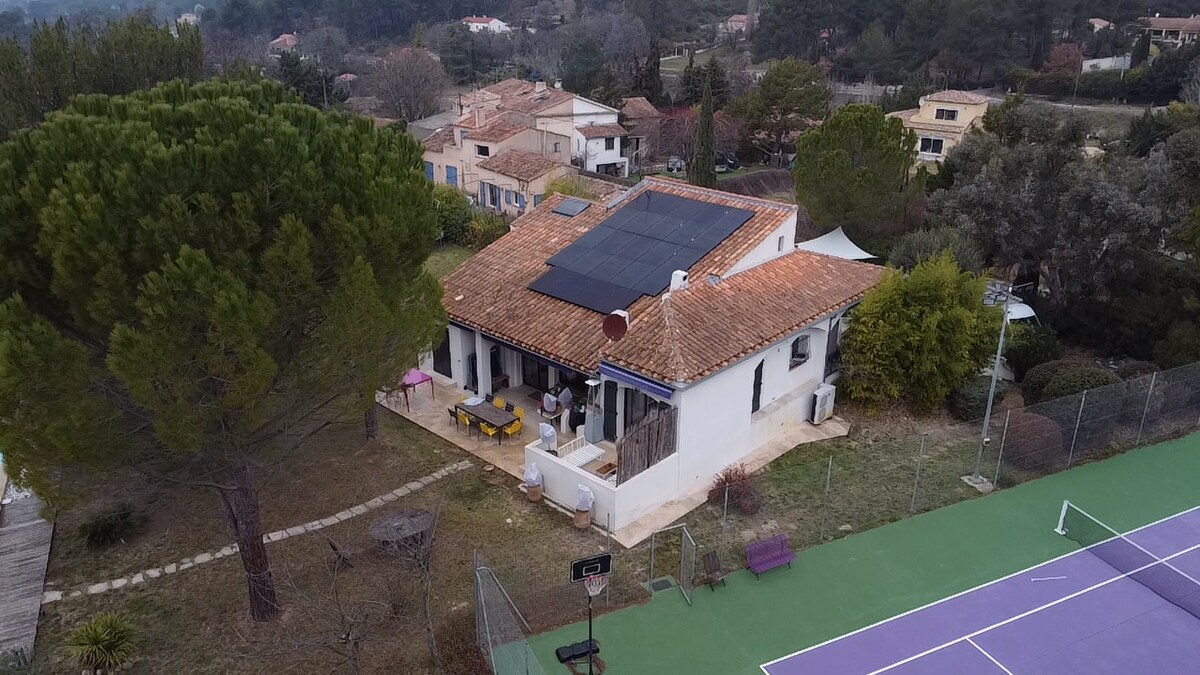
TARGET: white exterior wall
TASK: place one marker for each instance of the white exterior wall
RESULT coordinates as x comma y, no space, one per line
770,248
716,427
462,345
596,155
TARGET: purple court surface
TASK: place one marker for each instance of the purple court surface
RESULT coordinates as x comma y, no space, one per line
1074,614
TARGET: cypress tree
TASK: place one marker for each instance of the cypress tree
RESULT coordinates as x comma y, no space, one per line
703,170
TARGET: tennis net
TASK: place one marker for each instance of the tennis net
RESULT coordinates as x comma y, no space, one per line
1130,559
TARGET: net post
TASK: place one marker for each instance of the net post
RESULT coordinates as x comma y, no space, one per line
1146,408
1000,454
1062,518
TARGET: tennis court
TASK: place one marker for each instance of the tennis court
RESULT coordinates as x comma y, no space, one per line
1123,604
966,559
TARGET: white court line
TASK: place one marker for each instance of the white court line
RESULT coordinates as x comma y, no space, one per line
989,656
798,652
1141,548
1033,611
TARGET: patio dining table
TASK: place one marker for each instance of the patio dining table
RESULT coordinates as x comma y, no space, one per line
497,417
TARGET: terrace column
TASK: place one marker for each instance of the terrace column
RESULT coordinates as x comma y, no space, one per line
483,364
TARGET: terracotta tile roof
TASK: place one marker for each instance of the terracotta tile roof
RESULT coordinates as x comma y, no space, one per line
692,333
519,96
909,117
638,107
1187,24
602,131
478,19
490,291
496,130
439,139
956,96
524,166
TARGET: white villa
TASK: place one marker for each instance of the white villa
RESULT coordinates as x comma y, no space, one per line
725,335
485,24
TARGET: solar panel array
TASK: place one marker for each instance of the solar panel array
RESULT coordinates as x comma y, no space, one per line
634,251
571,207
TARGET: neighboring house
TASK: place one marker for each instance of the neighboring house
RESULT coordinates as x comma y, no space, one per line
422,128
738,24
283,44
485,24
645,128
560,129
724,348
1099,24
943,121
1171,31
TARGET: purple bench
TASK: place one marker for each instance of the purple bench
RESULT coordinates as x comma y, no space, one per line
769,553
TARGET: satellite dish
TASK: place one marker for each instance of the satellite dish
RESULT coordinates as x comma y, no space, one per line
616,325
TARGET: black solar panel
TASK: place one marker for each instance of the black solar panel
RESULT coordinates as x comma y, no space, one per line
634,251
571,207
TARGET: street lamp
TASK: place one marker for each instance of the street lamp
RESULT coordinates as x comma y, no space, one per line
976,479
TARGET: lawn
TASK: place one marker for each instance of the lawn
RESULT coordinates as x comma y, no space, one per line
195,621
445,258
861,579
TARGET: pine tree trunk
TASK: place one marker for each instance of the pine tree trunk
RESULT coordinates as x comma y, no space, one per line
241,507
372,422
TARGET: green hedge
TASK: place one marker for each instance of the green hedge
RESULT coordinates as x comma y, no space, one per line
1077,378
1101,84
1030,348
1038,377
969,402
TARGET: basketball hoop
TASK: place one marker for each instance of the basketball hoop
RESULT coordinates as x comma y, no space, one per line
595,585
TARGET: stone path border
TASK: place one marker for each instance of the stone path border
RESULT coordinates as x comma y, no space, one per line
271,537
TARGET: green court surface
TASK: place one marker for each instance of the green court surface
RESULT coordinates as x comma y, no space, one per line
859,580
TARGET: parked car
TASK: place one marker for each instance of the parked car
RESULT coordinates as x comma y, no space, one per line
675,165
721,164
731,161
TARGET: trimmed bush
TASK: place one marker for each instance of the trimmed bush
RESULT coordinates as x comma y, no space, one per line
740,484
915,248
1033,442
106,642
116,524
1038,377
454,213
1077,378
1031,347
485,228
969,402
1136,369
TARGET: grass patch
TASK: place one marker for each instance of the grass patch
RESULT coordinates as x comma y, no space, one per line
445,258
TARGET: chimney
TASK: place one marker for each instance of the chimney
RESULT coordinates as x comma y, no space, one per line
558,83
480,116
539,86
679,280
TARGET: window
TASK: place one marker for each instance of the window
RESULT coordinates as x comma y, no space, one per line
537,199
932,146
945,114
452,175
462,136
610,143
429,171
756,400
508,197
520,201
483,151
779,244
558,147
799,352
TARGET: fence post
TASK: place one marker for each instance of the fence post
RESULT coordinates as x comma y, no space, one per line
1075,436
725,508
912,506
1146,408
1000,455
608,549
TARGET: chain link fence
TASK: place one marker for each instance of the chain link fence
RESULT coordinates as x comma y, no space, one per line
815,494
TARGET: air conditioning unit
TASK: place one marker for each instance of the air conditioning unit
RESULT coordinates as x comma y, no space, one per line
822,408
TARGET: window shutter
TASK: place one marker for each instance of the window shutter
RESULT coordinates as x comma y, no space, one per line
756,402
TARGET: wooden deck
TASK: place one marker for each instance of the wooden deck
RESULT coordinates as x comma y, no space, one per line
24,551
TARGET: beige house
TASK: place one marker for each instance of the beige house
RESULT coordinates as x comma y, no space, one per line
943,120
1171,30
515,137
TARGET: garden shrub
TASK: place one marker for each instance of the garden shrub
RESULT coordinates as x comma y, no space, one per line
1038,377
1030,347
915,248
115,524
743,495
1033,442
1077,378
106,642
969,402
485,228
454,213
1135,369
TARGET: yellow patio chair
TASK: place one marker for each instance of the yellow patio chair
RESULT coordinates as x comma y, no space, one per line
490,430
498,402
513,430
464,422
520,413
